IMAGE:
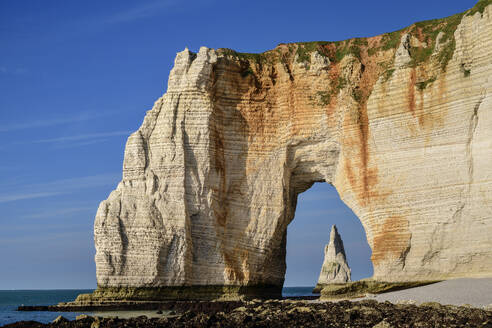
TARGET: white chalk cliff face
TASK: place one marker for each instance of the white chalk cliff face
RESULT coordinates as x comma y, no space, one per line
400,124
335,268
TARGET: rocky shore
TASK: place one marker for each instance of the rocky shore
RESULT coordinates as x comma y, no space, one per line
292,313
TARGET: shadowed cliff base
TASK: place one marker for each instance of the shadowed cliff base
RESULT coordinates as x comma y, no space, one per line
127,298
142,294
151,294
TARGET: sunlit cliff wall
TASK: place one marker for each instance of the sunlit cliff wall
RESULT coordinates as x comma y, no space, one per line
400,124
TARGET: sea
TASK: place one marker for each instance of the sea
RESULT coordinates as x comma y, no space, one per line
11,299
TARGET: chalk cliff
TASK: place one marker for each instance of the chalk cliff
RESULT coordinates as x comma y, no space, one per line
335,268
400,124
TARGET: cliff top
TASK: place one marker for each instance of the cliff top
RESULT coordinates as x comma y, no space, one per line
425,36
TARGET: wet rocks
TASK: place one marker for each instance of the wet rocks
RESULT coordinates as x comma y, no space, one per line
283,313
60,319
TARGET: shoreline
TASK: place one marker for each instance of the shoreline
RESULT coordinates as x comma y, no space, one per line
451,303
291,313
475,292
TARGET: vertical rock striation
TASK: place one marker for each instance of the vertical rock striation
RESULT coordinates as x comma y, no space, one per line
399,123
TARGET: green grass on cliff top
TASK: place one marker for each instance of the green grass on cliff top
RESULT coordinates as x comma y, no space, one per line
479,7
429,29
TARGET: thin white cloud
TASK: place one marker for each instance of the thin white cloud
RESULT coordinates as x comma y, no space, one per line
59,212
61,237
49,122
5,198
58,187
79,182
82,137
139,12
13,71
80,144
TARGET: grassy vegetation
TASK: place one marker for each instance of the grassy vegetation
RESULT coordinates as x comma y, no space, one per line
372,51
345,48
324,97
447,50
388,74
423,85
426,32
357,95
342,83
304,50
420,55
260,58
446,54
388,41
479,7
360,42
247,72
430,30
391,40
303,56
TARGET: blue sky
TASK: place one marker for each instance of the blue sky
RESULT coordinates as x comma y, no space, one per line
76,78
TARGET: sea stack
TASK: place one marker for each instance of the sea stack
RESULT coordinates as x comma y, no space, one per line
335,269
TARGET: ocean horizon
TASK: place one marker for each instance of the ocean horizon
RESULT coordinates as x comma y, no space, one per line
11,299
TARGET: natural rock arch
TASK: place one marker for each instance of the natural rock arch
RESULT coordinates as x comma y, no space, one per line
210,179
317,210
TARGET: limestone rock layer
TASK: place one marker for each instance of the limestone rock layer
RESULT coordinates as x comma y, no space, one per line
335,268
400,124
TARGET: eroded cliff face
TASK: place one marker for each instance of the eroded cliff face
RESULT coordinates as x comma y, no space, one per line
400,124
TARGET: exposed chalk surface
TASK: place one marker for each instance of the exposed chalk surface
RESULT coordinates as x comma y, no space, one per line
335,268
211,178
475,292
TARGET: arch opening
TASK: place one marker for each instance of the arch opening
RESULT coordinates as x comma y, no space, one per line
317,210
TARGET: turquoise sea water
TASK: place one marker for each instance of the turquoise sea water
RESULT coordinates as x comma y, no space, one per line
11,299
